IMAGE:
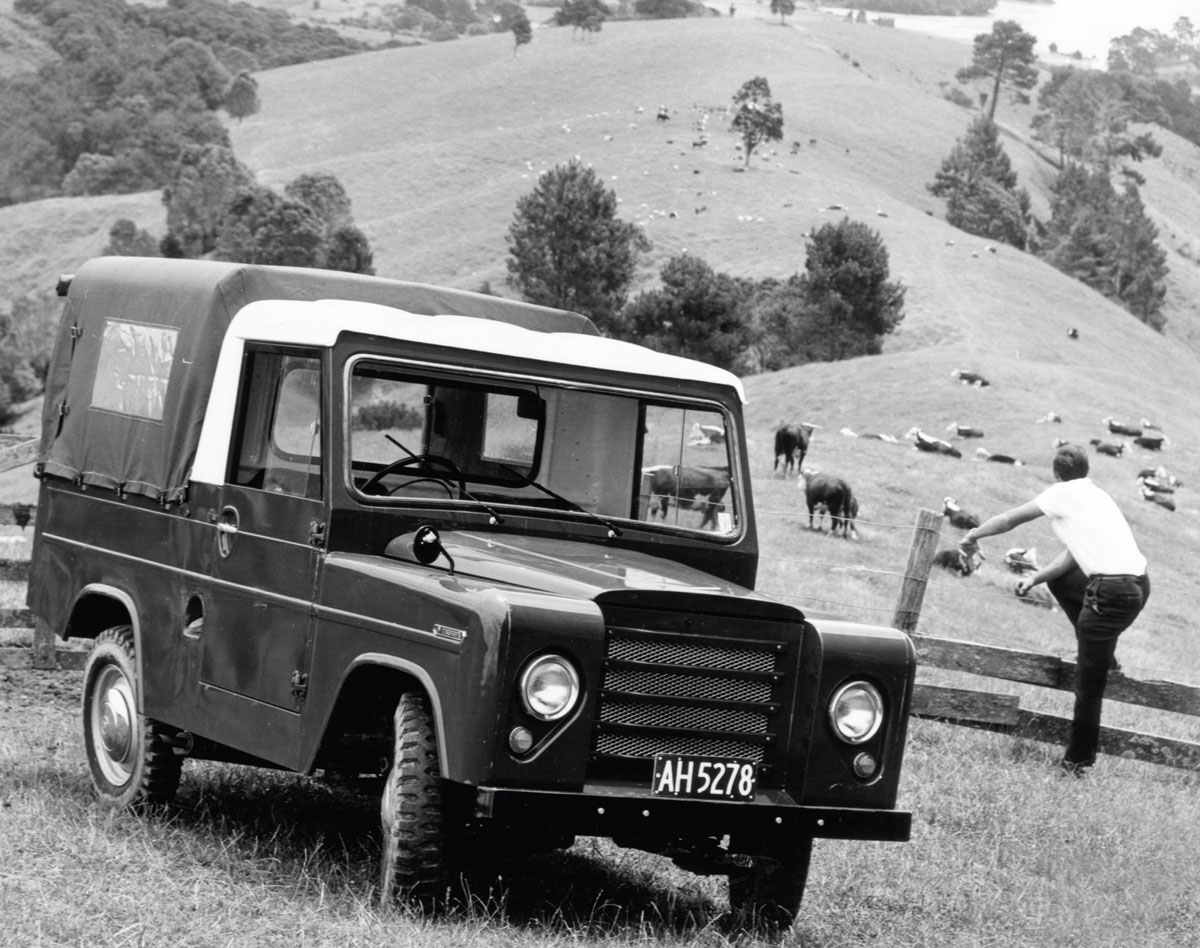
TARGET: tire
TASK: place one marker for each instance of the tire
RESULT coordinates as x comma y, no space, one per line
765,899
133,759
412,868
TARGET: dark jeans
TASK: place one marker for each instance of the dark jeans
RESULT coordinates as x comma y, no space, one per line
1100,608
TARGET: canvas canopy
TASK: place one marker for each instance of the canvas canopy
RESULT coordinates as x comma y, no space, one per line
137,347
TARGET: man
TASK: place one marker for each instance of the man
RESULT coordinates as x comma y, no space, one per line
1099,580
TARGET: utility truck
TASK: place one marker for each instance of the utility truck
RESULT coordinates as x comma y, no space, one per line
458,548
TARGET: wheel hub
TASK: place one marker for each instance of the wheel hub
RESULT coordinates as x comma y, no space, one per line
116,724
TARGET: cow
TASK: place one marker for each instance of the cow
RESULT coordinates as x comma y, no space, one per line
1149,441
1021,560
1107,447
1166,501
791,444
965,431
923,442
694,488
983,454
1117,427
970,378
958,517
827,493
956,561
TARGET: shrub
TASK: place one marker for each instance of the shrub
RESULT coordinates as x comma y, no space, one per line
387,415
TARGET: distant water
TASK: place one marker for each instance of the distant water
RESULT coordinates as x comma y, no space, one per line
1086,26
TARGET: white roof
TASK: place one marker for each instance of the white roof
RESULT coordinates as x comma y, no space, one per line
320,322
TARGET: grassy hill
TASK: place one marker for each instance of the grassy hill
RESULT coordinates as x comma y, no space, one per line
435,144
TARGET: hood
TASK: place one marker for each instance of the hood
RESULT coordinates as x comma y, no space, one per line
573,568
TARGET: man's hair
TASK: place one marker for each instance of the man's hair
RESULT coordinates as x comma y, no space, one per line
1070,463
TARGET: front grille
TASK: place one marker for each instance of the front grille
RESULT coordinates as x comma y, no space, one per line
673,693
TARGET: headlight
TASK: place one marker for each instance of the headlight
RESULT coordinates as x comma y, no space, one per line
549,687
856,712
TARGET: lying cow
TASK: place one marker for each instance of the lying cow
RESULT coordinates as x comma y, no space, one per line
694,488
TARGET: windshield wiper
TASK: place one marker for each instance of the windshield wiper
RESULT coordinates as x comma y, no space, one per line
613,530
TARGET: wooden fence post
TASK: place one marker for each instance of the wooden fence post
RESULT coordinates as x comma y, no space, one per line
916,574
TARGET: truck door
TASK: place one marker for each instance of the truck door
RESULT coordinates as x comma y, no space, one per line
270,517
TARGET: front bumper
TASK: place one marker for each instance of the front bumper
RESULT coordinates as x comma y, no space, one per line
608,810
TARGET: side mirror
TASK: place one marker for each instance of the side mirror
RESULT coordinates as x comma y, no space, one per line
427,546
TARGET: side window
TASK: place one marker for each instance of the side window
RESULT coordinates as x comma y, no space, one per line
278,447
685,477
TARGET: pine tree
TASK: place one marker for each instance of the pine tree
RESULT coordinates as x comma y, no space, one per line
567,247
1005,56
980,187
848,262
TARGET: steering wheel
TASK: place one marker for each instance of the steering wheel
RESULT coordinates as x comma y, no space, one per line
373,483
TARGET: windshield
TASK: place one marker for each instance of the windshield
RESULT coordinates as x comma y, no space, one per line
420,435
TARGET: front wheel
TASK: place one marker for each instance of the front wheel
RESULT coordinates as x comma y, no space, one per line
765,898
133,759
411,811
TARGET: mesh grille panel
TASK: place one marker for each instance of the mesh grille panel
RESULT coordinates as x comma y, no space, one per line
718,684
682,716
672,685
637,745
697,655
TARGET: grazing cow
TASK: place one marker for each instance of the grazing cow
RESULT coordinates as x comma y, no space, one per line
1050,416
791,444
956,561
1116,427
1159,474
1022,560
970,378
983,454
1151,442
1107,447
923,442
965,431
1163,500
958,517
1072,333
830,495
693,488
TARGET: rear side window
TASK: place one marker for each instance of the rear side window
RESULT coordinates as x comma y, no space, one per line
134,369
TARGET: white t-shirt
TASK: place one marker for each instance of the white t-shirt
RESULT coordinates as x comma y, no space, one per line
1090,524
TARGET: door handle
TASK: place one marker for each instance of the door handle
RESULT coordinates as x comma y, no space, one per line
227,529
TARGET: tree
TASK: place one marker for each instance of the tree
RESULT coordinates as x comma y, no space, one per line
348,249
262,227
1005,56
204,180
1086,115
846,276
586,15
568,249
241,99
697,314
980,187
1107,242
189,68
126,239
324,194
755,116
521,30
784,8
666,9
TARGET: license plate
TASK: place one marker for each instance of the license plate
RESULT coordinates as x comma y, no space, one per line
703,778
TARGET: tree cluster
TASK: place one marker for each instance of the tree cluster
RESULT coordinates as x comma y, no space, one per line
980,187
1143,52
1095,234
1105,239
132,86
216,210
567,249
924,7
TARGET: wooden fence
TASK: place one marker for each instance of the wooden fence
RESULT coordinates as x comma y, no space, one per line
977,709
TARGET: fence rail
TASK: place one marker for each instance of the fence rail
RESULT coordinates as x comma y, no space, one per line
969,708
